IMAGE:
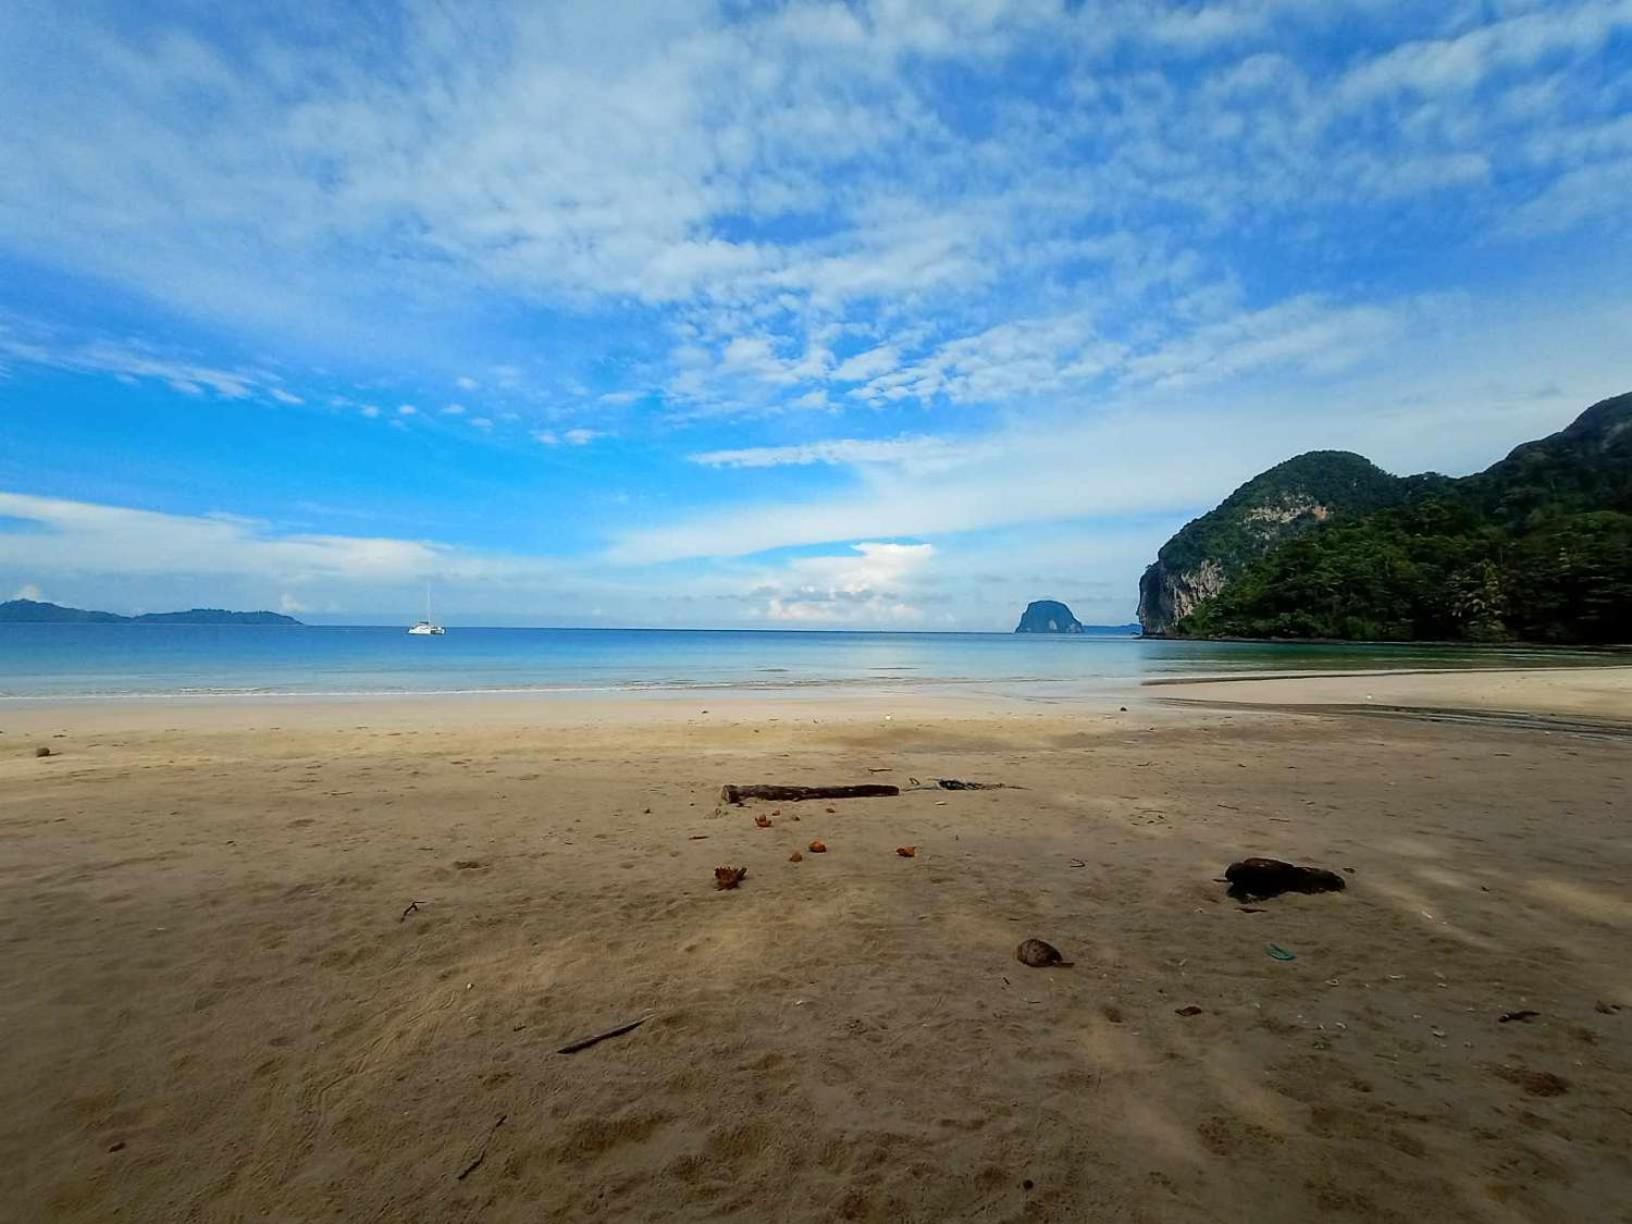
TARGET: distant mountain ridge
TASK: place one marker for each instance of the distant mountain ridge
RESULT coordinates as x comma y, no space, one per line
1538,547
34,612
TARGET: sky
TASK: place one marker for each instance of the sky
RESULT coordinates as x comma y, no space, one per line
810,315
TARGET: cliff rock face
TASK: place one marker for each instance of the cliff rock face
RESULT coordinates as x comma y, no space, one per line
1167,596
1288,499
1047,616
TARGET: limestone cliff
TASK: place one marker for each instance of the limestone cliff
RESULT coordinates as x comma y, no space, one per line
1199,562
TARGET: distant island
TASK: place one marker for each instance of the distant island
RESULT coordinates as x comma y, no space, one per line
1047,616
33,612
1536,548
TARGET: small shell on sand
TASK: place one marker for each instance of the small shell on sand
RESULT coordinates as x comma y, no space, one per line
796,857
1040,955
818,846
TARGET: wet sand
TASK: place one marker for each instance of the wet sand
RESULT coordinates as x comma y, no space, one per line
216,1007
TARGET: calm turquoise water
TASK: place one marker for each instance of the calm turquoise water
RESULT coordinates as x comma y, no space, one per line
131,660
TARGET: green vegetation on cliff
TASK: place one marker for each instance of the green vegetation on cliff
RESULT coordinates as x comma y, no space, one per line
1538,548
1288,500
1230,534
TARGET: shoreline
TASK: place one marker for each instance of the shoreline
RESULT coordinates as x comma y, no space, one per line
1604,690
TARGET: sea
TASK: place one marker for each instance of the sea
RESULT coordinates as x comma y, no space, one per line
122,661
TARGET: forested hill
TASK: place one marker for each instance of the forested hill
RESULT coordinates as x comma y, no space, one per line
1537,548
1287,500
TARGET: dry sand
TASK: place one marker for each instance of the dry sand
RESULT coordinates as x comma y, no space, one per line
215,1009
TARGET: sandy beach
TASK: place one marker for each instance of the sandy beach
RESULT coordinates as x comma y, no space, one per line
297,960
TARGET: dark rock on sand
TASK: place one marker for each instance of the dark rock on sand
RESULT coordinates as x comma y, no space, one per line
1040,955
1256,878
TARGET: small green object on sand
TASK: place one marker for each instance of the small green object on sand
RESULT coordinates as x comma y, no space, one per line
1279,953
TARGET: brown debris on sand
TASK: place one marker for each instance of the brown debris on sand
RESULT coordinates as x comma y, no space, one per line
42,751
728,877
764,822
1256,879
907,851
818,846
796,857
1536,1083
1040,955
792,794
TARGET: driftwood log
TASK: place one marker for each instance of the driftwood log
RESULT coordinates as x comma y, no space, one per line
793,794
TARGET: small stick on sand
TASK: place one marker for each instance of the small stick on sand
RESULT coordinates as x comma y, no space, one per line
413,906
586,1042
481,1155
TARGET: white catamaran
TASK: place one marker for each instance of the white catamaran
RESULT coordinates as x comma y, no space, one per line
427,627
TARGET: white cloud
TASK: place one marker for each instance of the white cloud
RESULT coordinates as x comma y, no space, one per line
28,591
1581,194
811,399
482,423
1437,66
289,605
759,174
873,584
77,538
284,397
370,410
407,410
839,451
1426,386
570,437
870,364
82,536
454,410
26,342
1304,333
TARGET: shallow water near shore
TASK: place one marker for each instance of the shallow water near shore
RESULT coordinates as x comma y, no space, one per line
75,661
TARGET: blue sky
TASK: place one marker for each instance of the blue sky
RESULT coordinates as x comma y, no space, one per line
795,315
